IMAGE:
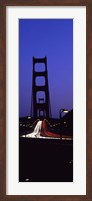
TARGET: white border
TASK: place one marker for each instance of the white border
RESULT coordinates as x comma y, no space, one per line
78,187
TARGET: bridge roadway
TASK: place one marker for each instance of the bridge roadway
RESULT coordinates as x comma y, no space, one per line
41,131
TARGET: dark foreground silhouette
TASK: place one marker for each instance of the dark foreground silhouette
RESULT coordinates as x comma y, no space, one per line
45,160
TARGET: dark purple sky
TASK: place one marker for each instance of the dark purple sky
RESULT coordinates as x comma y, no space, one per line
52,38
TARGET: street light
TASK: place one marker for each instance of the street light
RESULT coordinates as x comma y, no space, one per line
62,111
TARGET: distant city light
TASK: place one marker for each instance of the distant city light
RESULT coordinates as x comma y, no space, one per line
29,117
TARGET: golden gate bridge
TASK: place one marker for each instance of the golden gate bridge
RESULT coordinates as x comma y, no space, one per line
40,104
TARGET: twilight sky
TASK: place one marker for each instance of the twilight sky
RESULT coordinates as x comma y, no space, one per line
52,38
